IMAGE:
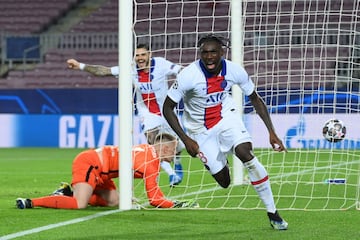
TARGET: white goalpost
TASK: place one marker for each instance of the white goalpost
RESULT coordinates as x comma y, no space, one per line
304,58
125,104
237,52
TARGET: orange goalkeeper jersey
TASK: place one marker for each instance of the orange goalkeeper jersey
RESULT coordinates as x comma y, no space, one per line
146,165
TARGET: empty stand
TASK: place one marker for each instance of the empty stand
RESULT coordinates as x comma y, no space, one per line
104,19
54,73
305,61
31,16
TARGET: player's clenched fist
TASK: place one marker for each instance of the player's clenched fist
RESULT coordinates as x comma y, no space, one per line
73,64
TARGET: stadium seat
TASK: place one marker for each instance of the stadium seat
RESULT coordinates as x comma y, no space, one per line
31,16
179,18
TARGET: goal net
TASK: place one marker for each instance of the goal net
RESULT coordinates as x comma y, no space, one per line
304,58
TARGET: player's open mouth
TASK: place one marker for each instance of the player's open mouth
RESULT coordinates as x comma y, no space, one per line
141,63
210,65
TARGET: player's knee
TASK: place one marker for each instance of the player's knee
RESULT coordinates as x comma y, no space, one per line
244,152
223,177
113,201
224,183
82,204
113,204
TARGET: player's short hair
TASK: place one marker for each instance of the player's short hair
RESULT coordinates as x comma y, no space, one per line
164,137
224,42
143,45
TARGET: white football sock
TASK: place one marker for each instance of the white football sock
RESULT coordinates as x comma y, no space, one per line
177,159
166,166
260,180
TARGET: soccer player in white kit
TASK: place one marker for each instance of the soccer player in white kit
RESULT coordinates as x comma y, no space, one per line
151,83
214,123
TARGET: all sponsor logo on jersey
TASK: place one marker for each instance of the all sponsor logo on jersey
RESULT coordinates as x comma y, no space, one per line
146,87
215,98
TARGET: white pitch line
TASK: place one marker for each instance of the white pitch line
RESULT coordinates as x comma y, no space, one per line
56,225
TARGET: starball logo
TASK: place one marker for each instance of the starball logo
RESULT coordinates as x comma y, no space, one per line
297,136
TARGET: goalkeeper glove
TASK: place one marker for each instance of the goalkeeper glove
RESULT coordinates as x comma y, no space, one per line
186,204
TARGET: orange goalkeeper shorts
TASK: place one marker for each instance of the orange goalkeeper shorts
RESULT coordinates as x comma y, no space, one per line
86,168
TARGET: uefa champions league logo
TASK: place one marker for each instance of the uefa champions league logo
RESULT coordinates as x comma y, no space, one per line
308,135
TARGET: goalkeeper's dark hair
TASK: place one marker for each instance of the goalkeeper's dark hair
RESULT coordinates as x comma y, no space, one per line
224,42
164,137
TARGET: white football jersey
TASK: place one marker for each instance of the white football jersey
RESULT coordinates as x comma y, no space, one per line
207,98
151,89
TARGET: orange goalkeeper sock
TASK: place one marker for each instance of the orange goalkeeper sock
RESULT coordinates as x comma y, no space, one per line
96,200
64,202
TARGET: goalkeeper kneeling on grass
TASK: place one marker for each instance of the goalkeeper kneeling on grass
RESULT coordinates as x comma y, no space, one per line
94,169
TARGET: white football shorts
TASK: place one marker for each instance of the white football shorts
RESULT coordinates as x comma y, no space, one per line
218,141
151,121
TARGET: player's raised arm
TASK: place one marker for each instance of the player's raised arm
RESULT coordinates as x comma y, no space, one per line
97,70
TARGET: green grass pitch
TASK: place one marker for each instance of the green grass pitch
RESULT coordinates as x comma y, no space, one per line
34,172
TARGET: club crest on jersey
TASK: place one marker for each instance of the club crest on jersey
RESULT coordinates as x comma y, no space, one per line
216,84
223,84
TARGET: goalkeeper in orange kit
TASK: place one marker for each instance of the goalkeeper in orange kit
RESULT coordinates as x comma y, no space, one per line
93,172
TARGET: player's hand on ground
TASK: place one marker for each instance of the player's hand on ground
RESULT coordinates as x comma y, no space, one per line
73,64
191,203
192,147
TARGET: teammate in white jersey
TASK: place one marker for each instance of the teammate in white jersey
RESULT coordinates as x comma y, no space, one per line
151,82
213,121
